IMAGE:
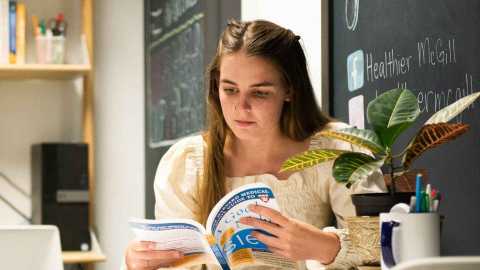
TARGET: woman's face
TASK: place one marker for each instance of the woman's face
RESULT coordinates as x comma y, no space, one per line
252,95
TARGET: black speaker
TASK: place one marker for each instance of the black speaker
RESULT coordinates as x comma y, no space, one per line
60,193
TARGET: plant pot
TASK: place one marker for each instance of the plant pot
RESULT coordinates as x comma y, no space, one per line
365,238
372,204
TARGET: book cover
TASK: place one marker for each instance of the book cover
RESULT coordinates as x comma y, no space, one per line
13,31
21,17
224,241
4,33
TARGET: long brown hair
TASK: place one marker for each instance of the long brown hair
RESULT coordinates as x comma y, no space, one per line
301,117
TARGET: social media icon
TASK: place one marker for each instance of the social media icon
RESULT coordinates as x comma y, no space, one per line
355,70
356,112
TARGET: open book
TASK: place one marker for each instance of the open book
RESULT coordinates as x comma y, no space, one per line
225,241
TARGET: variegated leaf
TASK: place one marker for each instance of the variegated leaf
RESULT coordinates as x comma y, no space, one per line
448,113
431,135
409,144
310,158
351,167
364,138
408,181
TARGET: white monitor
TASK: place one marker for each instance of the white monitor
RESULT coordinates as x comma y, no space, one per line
30,247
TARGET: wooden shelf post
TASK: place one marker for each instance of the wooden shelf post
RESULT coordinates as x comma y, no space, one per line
88,105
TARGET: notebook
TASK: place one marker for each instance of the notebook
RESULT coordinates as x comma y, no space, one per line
30,247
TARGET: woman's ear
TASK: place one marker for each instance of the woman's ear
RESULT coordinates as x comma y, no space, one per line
288,96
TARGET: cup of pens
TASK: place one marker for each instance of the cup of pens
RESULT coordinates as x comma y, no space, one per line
412,231
50,39
50,49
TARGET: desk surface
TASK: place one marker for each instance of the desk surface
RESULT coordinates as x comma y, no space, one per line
369,267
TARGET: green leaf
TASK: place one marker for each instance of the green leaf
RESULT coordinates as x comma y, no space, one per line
431,135
310,158
351,167
392,113
364,138
449,112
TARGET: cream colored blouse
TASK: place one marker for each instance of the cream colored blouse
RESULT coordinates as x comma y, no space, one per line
310,195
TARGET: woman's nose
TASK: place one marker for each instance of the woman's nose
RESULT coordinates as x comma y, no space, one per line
243,104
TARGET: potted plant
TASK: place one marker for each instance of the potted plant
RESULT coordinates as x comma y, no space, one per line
390,114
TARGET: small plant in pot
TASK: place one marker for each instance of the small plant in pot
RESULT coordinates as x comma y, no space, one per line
390,114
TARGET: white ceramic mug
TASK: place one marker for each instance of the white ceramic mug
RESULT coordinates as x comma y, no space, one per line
406,237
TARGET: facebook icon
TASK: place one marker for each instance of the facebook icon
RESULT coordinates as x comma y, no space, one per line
355,70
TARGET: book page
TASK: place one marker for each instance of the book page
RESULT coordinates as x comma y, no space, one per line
184,235
233,238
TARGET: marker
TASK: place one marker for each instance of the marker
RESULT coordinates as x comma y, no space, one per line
35,25
48,53
428,190
56,28
439,195
424,203
413,202
43,27
435,205
418,193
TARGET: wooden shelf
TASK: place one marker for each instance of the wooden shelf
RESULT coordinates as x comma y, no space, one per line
43,72
82,257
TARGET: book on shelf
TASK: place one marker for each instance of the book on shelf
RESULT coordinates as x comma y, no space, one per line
4,33
224,241
13,31
21,17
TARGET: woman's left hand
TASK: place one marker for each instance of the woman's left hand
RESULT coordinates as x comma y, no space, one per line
295,240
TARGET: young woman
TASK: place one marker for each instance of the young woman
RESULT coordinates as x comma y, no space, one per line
262,111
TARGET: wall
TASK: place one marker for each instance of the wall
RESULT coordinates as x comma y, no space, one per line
303,18
119,126
37,111
40,111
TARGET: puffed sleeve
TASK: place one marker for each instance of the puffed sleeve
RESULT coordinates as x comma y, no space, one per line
176,181
338,195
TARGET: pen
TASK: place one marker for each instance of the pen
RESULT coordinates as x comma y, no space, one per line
418,193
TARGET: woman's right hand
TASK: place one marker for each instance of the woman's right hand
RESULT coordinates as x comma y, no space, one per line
142,255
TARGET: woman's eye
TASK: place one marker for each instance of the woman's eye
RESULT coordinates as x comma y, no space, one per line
261,93
229,90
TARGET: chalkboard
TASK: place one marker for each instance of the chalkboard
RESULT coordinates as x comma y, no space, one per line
181,38
431,47
174,70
